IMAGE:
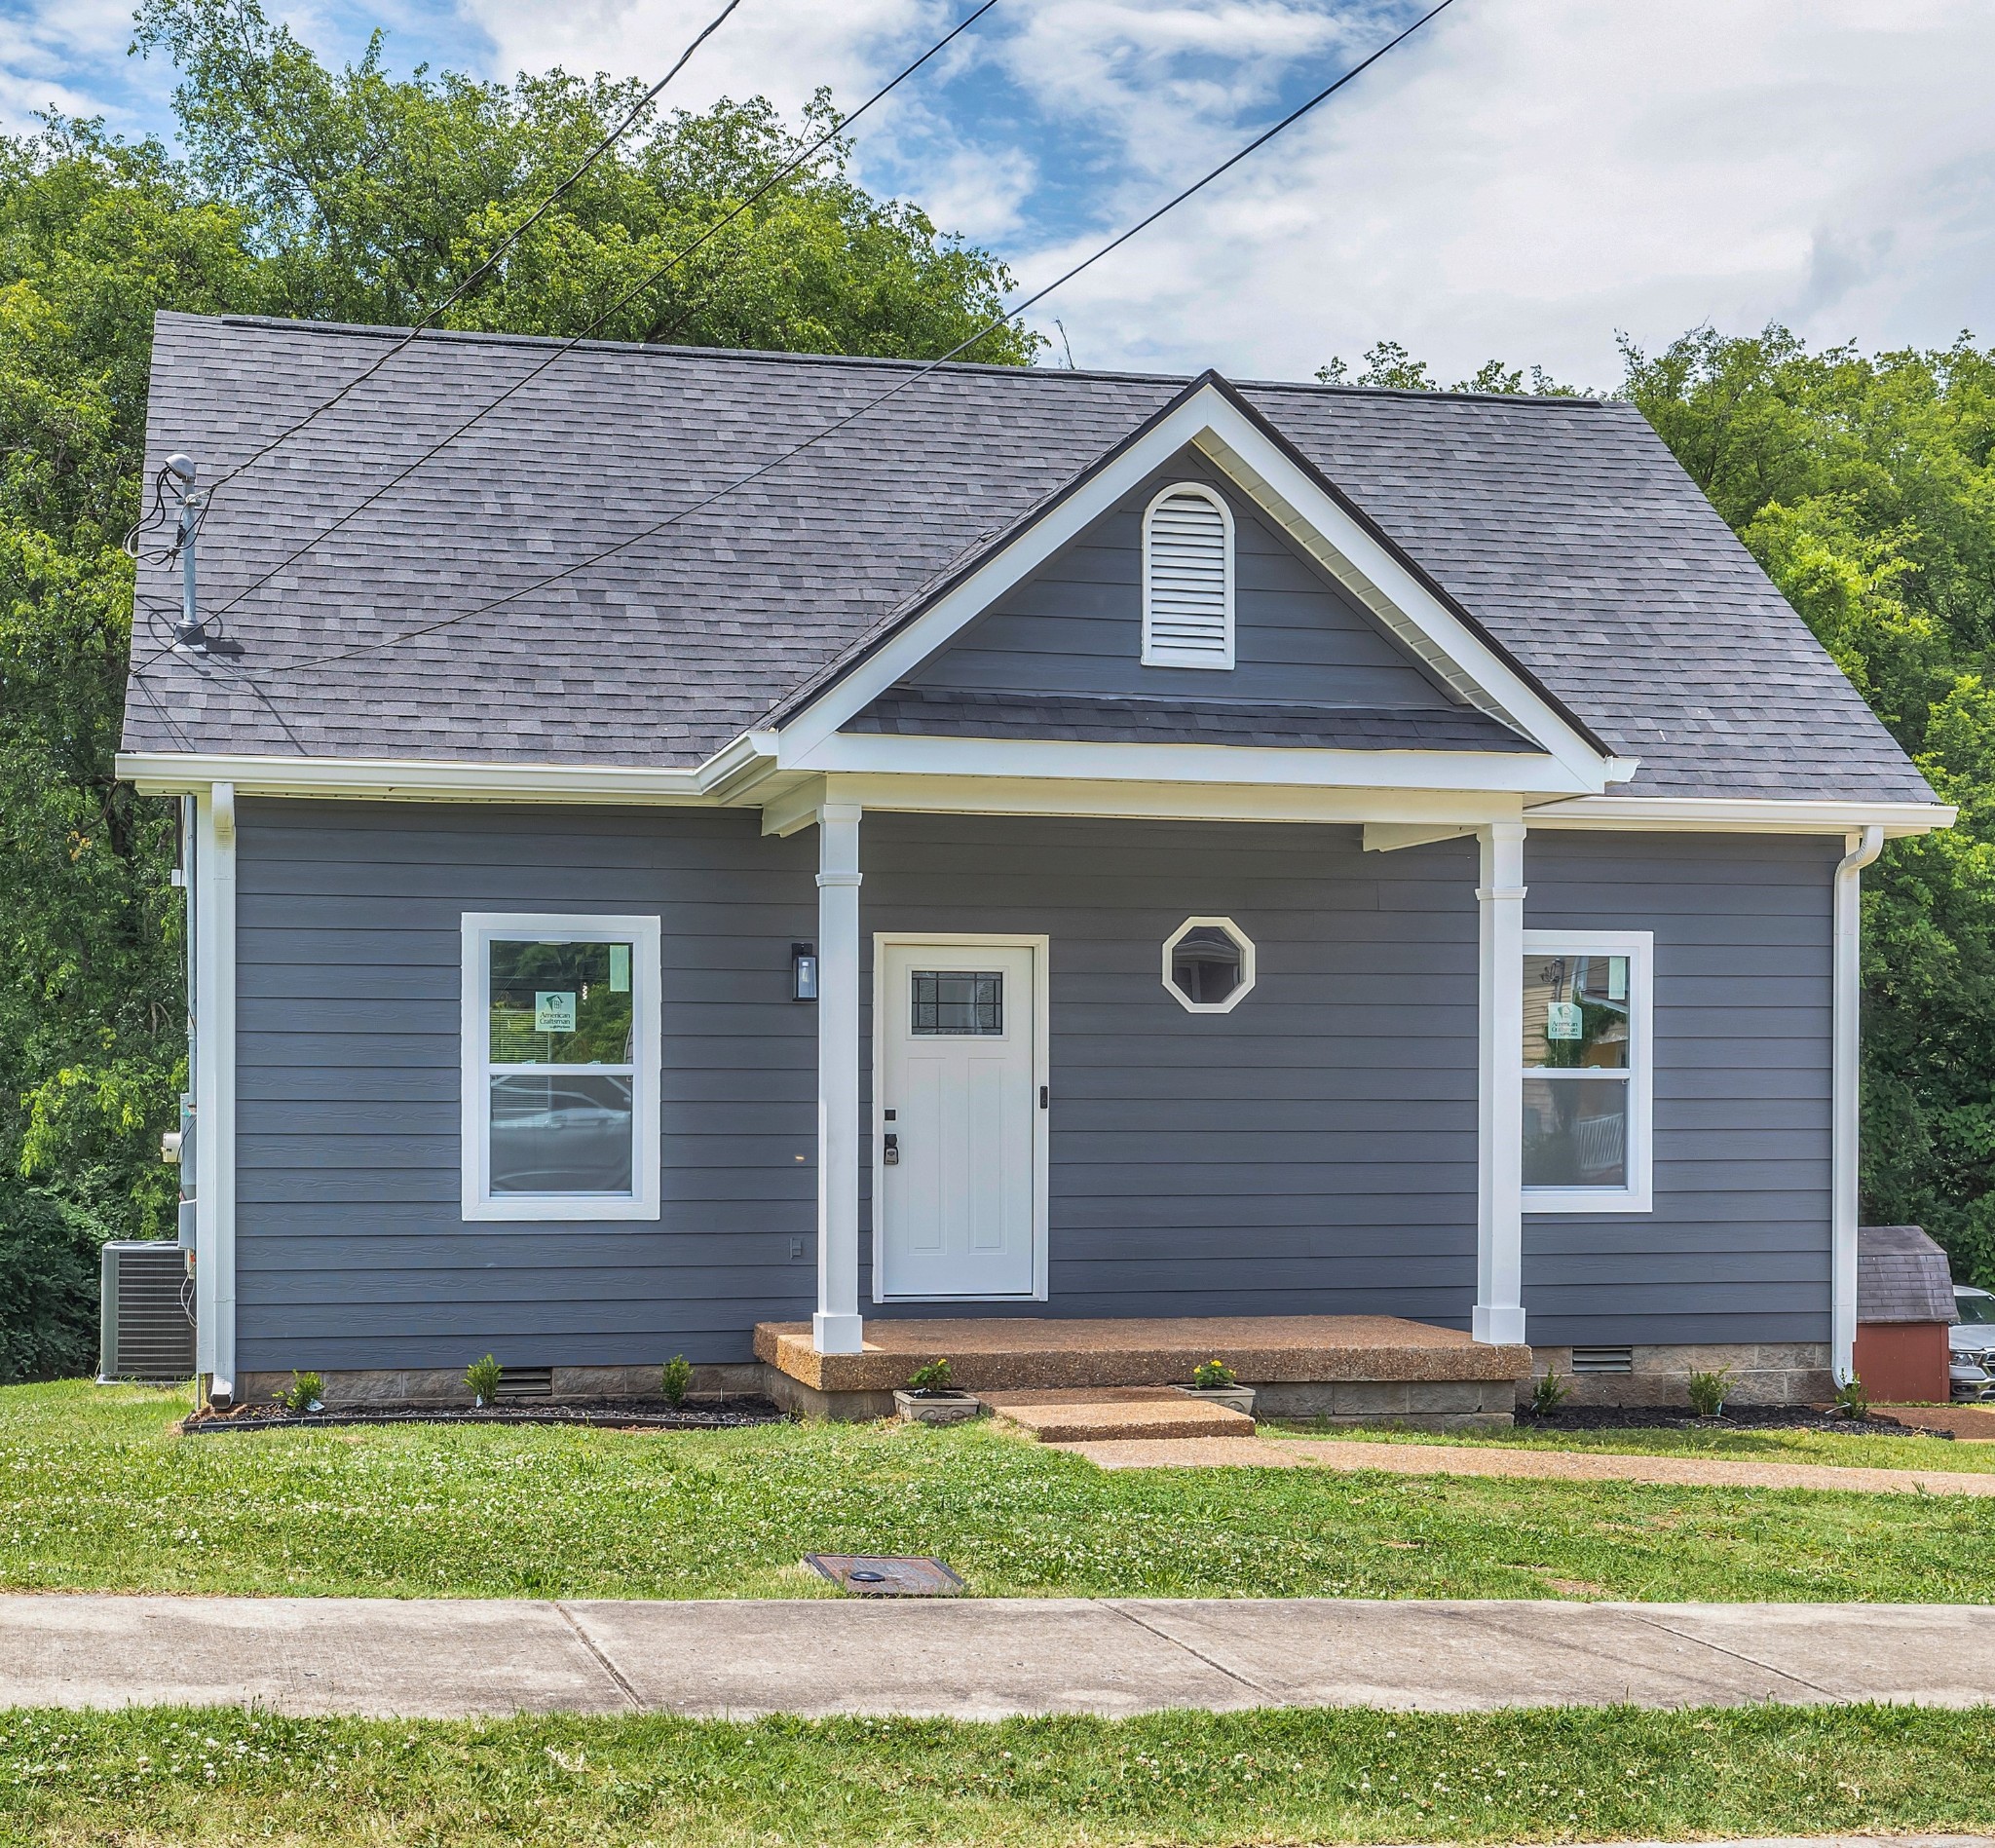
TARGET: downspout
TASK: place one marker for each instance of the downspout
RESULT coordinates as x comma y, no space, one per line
1848,983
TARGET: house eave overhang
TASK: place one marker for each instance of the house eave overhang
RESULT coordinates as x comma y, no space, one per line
1742,814
406,779
1213,417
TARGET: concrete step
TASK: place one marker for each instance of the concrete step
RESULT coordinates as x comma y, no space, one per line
1079,1414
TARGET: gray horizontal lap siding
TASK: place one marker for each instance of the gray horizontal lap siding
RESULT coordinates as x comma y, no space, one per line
1313,1150
1075,625
351,1247
1738,1245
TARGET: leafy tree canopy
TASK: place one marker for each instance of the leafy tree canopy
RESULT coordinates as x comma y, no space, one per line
331,194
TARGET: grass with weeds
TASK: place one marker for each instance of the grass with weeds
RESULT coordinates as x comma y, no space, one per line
1845,1450
97,1493
168,1776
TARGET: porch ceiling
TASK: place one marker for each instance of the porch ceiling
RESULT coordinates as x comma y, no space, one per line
990,1353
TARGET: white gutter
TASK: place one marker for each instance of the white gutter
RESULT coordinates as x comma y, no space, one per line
1844,1089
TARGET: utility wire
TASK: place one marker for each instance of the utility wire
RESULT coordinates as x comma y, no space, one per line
617,307
1011,313
484,269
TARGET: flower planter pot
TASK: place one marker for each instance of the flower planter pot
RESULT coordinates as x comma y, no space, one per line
1234,1398
934,1408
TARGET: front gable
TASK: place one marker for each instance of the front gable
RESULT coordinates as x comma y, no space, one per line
1349,666
1075,626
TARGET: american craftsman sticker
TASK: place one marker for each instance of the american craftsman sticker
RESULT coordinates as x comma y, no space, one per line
620,968
1562,1020
554,1012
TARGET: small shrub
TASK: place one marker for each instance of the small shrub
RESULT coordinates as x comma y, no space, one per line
933,1377
305,1393
1851,1400
1708,1392
1209,1376
481,1376
1549,1391
677,1381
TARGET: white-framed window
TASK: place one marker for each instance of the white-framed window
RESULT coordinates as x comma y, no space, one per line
560,1029
1188,578
1208,965
1589,1068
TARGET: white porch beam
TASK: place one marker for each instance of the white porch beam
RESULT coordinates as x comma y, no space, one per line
1861,847
1499,1144
837,1328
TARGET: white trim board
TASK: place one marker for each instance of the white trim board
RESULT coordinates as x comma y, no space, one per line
1742,815
1261,469
1041,948
1267,766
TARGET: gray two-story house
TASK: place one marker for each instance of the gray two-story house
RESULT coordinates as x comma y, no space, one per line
683,841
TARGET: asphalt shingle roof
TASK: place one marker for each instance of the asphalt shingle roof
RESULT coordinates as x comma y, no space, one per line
1564,526
941,712
1902,1276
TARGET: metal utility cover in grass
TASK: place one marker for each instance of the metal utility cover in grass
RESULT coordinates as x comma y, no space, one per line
865,1575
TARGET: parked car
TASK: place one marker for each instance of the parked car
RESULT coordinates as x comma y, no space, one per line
1970,1344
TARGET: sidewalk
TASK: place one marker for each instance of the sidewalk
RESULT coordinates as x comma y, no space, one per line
1491,1459
973,1658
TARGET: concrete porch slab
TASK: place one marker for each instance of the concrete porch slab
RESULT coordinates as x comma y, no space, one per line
1095,1413
996,1353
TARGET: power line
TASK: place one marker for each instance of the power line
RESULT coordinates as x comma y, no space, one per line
512,238
1011,313
617,307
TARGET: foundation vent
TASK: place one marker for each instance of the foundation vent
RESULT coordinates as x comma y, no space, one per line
1603,1360
148,1316
526,1383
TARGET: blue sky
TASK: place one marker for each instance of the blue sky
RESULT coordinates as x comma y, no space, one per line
1521,181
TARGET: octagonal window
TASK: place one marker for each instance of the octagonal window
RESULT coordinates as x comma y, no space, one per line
1209,964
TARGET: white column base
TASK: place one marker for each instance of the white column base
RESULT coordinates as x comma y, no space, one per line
1500,1324
838,1334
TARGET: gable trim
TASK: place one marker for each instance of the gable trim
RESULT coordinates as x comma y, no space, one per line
1209,415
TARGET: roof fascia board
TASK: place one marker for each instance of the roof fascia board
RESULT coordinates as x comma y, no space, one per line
1138,801
1214,419
390,780
1741,814
890,754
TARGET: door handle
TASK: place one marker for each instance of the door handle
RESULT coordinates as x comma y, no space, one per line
890,1149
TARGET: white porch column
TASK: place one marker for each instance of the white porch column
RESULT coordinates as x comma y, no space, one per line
1499,1146
212,900
837,1328
1847,976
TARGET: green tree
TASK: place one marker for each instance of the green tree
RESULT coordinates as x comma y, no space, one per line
338,194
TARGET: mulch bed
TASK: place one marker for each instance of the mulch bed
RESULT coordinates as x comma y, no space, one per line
1734,1418
617,1415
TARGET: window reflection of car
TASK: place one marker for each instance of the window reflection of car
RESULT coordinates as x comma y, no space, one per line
1971,1342
560,1140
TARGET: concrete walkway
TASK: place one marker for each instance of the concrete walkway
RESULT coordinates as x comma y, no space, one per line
973,1658
1470,1459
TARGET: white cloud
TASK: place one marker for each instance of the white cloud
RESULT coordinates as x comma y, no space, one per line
1539,173
48,54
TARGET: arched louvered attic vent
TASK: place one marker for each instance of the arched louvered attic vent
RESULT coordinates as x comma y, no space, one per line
1188,578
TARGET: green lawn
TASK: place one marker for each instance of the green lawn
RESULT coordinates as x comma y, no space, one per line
97,1493
180,1776
1775,1447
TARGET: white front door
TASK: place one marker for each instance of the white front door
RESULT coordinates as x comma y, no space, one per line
958,1117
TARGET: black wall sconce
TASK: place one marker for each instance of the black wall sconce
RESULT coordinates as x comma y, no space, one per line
802,973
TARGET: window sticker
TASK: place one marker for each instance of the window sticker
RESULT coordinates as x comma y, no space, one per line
1617,978
620,968
553,1010
1563,1021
